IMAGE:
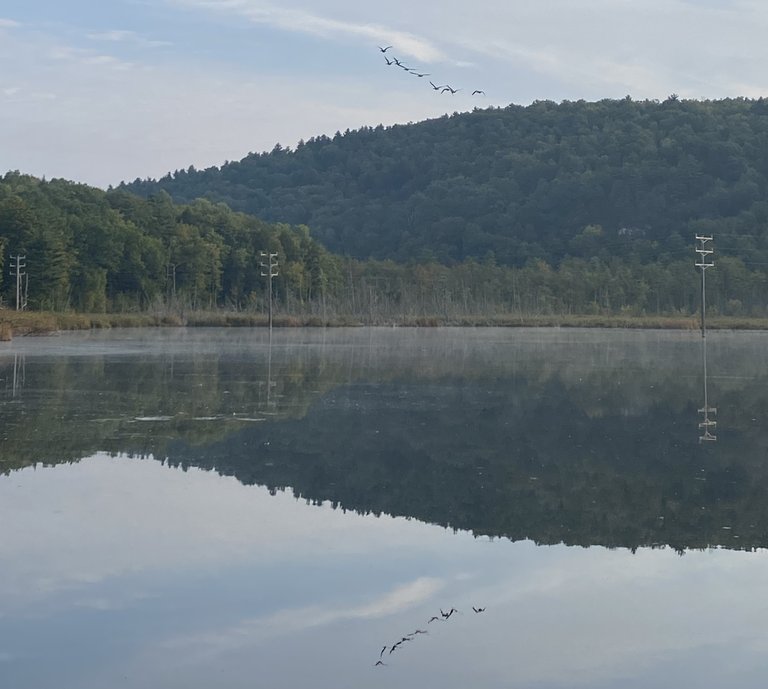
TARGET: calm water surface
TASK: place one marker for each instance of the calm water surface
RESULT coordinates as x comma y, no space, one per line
200,508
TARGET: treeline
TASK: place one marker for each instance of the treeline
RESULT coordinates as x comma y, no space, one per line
93,251
614,178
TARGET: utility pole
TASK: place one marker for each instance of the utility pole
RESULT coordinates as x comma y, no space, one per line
705,261
269,264
18,272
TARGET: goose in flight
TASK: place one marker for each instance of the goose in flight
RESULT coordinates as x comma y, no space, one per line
478,92
384,50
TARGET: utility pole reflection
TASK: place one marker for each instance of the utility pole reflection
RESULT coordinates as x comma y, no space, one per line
268,404
708,424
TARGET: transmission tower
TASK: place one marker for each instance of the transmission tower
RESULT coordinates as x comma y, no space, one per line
18,271
705,260
268,263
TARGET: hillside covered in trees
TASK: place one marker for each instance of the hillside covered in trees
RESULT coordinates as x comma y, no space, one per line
571,208
90,250
615,178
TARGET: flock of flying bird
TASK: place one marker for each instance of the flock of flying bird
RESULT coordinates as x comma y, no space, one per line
442,88
443,617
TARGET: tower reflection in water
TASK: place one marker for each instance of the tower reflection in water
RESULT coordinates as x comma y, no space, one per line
707,425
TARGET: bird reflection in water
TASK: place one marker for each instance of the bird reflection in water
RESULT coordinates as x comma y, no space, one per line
444,617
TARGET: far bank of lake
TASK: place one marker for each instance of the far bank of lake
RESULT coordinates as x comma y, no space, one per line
15,323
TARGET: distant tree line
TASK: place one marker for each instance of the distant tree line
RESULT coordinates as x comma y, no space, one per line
93,251
547,182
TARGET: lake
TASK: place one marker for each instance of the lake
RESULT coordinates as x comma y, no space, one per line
195,508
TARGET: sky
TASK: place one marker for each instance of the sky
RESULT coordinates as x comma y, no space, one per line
102,91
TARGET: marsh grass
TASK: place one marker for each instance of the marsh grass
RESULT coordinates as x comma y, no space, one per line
40,323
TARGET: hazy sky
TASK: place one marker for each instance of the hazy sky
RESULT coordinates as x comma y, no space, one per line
100,91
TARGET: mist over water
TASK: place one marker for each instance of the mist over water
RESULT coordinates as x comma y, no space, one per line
196,508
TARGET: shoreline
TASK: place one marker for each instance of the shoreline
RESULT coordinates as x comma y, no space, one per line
20,324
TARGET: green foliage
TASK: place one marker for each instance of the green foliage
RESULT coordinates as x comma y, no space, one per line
570,208
97,251
520,183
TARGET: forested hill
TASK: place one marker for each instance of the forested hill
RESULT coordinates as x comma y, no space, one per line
615,177
90,250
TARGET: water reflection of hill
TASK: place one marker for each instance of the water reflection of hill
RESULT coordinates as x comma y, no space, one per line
585,441
522,463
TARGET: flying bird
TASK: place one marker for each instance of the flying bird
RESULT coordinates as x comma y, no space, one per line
382,651
384,50
388,61
478,609
419,74
478,92
379,662
433,619
437,88
448,88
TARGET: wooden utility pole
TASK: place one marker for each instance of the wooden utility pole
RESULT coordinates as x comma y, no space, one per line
269,264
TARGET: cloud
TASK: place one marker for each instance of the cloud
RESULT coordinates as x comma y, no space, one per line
206,519
404,43
244,74
117,120
66,53
251,631
131,37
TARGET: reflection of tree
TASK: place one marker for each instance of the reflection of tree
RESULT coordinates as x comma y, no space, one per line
92,403
491,461
593,449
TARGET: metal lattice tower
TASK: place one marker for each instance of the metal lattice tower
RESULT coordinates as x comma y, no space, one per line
269,264
705,260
